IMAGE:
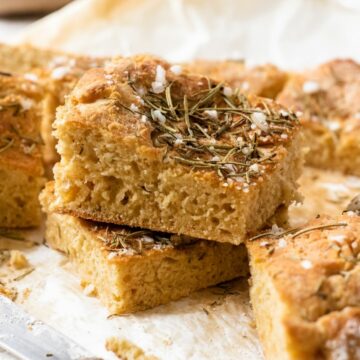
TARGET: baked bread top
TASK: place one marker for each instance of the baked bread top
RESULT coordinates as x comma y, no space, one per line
20,116
316,272
328,95
57,71
189,119
262,80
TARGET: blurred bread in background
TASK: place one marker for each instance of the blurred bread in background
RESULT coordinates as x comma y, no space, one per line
24,7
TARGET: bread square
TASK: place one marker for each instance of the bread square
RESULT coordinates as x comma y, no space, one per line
21,166
306,290
134,269
56,72
329,99
262,80
183,158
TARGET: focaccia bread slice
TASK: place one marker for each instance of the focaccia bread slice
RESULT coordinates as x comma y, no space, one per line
329,99
133,269
21,166
145,147
306,290
262,80
56,72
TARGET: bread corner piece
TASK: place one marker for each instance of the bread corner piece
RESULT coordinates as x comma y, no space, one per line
328,98
306,290
143,146
21,167
132,269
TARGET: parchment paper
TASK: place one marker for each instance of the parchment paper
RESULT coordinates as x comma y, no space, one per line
291,33
211,324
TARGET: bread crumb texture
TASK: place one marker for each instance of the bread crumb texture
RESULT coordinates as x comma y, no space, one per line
305,290
21,167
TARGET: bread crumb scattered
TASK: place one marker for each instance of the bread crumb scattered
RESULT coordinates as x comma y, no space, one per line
18,260
126,350
10,293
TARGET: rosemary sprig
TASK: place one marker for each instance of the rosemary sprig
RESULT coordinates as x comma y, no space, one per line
318,228
136,242
202,129
8,143
296,231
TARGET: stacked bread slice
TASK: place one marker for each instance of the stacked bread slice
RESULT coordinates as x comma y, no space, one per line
162,175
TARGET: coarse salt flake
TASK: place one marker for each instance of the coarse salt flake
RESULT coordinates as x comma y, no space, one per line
240,141
176,69
215,158
254,168
310,87
245,86
333,125
134,108
26,103
306,264
227,91
60,72
143,119
282,243
211,114
31,77
158,86
231,168
147,239
239,179
159,116
259,119
112,255
160,75
284,136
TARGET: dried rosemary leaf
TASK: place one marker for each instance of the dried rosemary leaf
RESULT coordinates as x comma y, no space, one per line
202,129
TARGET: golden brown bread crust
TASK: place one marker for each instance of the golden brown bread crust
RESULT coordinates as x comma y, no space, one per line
135,269
315,276
21,165
55,72
98,116
329,98
262,80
